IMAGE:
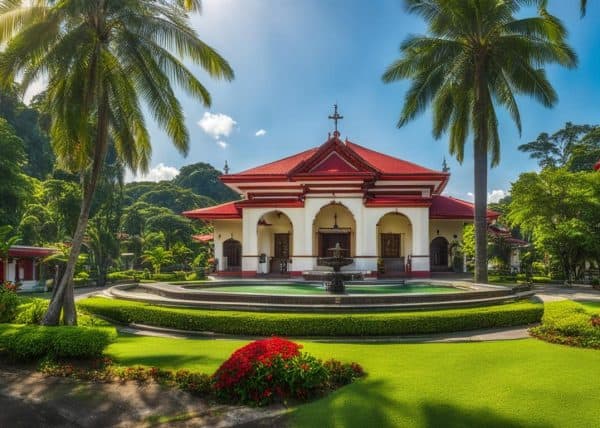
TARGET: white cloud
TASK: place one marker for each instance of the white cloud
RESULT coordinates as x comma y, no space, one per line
496,195
222,144
217,125
260,132
158,173
493,196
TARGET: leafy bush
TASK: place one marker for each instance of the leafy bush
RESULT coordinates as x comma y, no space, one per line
165,277
8,301
32,342
31,312
269,370
123,275
341,374
568,323
301,324
81,278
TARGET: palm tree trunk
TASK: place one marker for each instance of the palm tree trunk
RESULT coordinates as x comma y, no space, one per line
480,176
480,155
64,297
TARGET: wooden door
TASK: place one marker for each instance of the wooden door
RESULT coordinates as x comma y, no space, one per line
390,245
282,246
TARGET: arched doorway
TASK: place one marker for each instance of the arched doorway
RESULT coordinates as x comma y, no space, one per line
334,224
232,255
275,235
438,253
394,243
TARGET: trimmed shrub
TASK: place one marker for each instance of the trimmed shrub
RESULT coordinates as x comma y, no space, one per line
32,312
302,324
32,342
9,301
269,370
568,323
166,277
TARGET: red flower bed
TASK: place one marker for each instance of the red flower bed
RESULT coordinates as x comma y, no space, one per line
242,361
274,370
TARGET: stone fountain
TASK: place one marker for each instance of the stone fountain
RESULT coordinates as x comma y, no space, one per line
336,261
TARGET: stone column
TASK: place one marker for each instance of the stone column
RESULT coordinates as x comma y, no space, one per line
420,242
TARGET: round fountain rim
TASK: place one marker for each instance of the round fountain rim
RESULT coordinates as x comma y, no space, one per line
178,295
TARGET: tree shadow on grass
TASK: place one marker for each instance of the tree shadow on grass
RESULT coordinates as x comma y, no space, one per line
452,416
372,404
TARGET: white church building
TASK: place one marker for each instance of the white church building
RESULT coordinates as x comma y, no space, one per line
388,214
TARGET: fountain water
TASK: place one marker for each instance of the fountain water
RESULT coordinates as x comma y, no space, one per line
336,261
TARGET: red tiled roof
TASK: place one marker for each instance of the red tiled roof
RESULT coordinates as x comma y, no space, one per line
228,210
370,159
203,238
282,166
388,164
597,165
447,207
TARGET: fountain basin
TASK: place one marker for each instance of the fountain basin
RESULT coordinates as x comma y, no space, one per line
216,295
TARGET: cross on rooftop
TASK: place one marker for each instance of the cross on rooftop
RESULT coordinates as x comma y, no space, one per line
335,117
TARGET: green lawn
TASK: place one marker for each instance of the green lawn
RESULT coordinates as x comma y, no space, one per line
524,383
591,306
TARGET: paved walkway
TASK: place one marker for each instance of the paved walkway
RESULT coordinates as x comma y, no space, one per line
29,399
464,336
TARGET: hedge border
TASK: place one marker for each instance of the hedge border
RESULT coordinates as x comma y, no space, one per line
301,324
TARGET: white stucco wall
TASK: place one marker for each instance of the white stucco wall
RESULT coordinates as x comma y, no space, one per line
414,225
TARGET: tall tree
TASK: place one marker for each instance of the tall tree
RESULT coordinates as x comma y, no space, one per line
555,150
478,55
102,58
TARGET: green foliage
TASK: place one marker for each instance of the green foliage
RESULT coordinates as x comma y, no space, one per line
292,324
203,179
173,197
174,227
29,125
568,323
575,147
9,302
157,257
32,342
14,186
561,210
31,312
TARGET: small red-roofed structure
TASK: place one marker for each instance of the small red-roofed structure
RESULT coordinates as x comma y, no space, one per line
22,265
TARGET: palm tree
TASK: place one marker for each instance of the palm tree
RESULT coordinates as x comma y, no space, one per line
158,257
102,58
477,56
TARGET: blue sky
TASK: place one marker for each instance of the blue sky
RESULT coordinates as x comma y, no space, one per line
294,59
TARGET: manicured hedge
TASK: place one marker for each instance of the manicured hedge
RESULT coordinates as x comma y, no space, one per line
569,323
31,342
292,324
